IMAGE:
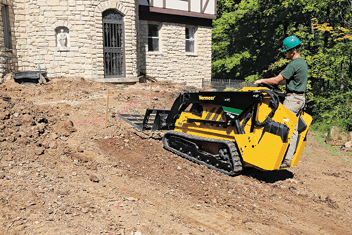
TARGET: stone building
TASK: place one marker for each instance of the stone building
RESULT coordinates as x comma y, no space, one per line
108,40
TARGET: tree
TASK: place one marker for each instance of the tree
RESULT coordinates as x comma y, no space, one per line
248,35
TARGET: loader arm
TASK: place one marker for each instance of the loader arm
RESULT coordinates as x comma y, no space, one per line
236,103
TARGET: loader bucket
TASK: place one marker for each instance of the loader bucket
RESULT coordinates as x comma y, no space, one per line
154,119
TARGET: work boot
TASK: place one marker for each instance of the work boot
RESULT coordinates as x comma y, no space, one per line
286,163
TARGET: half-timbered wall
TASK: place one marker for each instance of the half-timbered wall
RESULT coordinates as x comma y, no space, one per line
199,8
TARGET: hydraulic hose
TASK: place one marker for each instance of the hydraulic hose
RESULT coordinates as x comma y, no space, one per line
274,104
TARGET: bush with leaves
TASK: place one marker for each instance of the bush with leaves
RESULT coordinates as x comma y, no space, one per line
248,35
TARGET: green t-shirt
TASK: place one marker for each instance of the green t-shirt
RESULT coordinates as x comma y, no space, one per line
296,75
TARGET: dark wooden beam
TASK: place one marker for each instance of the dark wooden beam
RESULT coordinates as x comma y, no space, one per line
183,13
215,7
205,6
180,17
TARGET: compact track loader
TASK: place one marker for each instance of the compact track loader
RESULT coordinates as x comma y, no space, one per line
227,131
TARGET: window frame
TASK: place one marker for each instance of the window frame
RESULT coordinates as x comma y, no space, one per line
158,37
194,39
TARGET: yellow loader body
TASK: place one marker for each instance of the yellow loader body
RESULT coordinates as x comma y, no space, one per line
228,131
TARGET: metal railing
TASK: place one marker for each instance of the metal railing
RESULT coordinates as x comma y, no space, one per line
222,84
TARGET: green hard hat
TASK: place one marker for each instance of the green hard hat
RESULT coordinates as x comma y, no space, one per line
290,42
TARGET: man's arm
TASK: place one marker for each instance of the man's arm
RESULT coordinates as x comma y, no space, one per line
278,80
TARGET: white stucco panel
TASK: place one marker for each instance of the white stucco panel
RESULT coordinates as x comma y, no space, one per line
158,3
195,6
210,8
177,4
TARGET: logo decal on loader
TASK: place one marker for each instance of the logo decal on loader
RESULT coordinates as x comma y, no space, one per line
206,97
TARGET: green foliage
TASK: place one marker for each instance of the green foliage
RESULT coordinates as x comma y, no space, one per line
252,78
231,89
319,127
248,35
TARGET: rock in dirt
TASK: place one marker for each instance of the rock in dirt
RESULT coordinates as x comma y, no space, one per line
121,232
38,151
348,144
132,199
81,158
187,89
84,210
94,179
4,115
53,144
79,149
64,128
337,136
6,78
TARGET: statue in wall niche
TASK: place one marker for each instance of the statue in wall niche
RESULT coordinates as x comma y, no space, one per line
62,38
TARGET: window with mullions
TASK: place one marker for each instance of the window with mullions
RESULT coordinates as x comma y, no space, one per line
153,37
6,26
190,39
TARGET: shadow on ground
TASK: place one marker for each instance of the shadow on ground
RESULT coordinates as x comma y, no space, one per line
268,176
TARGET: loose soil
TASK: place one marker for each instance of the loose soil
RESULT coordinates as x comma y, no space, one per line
65,169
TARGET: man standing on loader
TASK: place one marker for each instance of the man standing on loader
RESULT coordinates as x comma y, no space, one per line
295,77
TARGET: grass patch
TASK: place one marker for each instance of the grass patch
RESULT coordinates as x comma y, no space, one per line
308,150
333,150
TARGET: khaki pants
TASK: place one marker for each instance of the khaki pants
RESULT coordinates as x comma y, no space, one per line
294,103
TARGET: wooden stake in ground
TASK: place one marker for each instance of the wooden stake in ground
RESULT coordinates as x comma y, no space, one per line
150,96
107,109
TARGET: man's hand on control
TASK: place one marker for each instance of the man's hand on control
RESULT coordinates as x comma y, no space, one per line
259,81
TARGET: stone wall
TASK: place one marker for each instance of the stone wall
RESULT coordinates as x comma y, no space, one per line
172,62
38,21
7,56
36,25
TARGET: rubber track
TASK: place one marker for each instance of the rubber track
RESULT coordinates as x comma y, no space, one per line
236,160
